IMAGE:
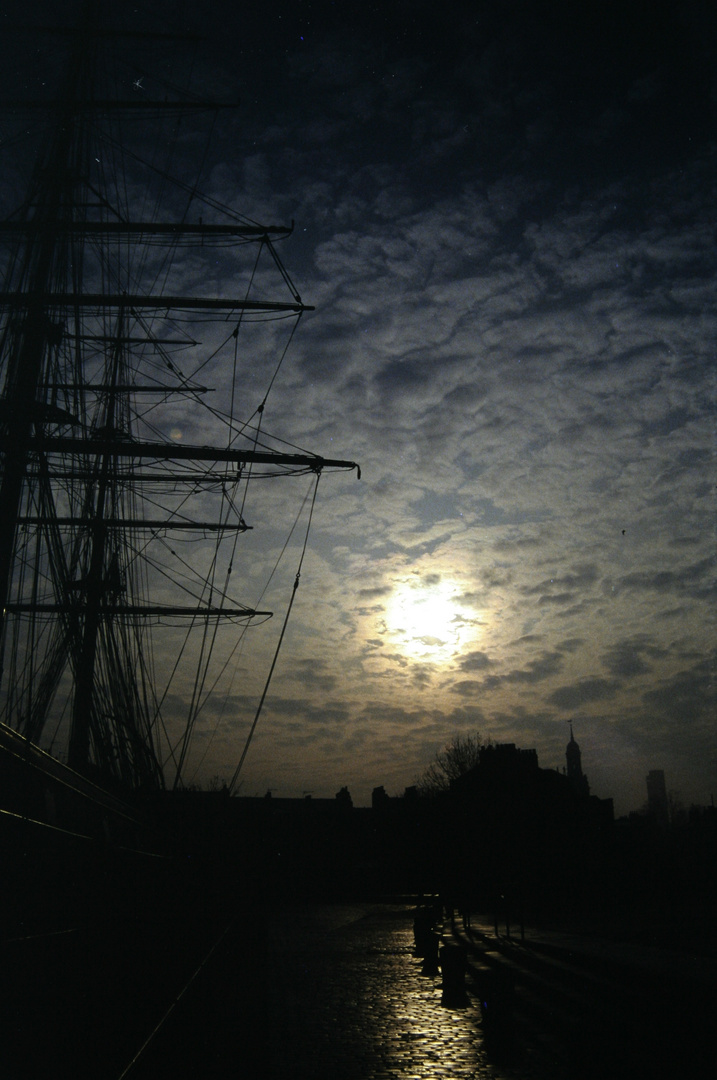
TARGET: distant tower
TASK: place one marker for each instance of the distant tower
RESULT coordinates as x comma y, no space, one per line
575,771
657,806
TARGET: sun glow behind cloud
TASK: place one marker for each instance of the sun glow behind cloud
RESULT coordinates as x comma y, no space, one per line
427,621
522,314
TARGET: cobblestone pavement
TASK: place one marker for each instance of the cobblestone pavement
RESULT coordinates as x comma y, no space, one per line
350,1002
337,992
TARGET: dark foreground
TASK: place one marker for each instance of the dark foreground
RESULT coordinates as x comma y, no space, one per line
336,992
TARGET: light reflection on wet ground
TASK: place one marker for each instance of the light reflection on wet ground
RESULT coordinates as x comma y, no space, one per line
349,1002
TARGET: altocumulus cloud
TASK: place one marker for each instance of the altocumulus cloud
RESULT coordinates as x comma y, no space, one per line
507,232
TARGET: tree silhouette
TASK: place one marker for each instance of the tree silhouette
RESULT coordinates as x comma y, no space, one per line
459,756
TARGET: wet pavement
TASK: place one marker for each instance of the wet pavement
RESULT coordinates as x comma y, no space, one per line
338,992
347,997
350,1000
324,992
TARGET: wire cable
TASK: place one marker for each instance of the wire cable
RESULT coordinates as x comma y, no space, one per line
260,706
177,999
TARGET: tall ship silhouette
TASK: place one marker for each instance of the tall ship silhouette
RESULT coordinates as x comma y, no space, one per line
144,323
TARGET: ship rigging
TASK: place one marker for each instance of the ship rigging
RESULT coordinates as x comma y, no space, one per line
129,351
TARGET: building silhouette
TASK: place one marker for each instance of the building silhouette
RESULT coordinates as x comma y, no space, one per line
657,805
575,774
521,837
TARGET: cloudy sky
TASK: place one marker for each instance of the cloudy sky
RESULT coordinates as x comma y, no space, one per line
505,221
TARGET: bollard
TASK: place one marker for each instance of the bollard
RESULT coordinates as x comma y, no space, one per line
453,968
423,923
430,955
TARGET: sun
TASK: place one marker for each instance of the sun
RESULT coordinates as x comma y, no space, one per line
427,620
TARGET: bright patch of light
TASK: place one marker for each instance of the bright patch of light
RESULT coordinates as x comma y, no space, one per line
428,621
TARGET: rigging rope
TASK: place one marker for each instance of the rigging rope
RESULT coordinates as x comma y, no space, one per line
205,960
286,349
260,706
239,643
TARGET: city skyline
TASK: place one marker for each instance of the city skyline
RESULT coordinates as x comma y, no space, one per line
655,780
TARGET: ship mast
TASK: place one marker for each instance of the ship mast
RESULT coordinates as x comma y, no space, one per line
26,335
73,459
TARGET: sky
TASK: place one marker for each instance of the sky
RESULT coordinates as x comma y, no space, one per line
504,218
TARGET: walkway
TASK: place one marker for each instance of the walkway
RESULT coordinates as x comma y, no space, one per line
337,992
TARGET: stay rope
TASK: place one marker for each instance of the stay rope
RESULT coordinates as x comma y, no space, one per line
205,960
260,706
